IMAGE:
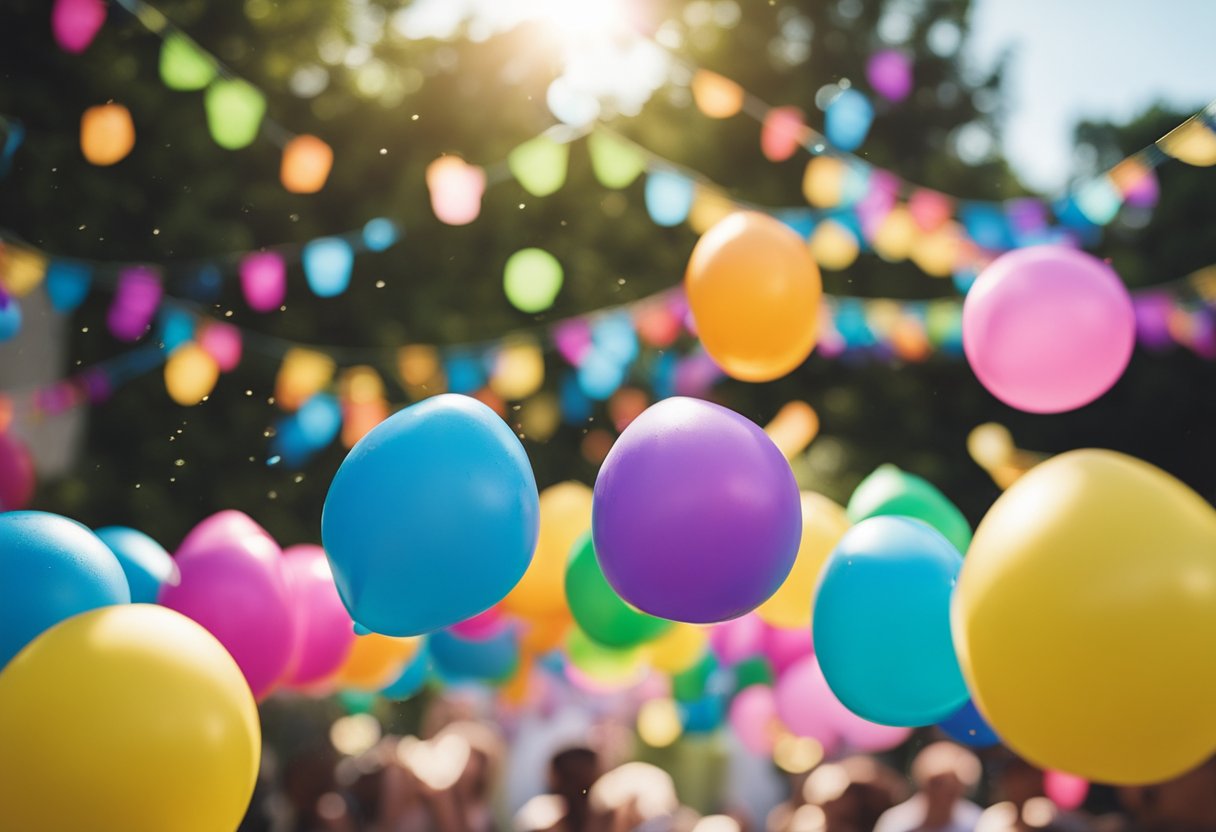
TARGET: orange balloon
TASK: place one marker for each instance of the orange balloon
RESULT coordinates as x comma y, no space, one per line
540,635
754,291
306,164
107,134
374,661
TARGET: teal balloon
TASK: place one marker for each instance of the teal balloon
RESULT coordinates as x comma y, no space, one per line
668,197
457,659
10,319
67,284
51,568
704,715
144,561
600,613
432,517
890,491
847,119
690,685
413,677
881,623
357,701
327,266
176,328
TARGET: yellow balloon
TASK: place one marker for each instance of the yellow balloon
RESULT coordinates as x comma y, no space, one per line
190,374
1085,619
678,649
128,718
565,514
823,524
374,661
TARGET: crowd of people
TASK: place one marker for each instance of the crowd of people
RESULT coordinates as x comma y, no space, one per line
456,779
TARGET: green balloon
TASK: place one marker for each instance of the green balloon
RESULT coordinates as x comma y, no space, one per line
616,162
183,66
689,686
540,165
356,701
753,671
532,278
597,661
890,491
599,611
234,112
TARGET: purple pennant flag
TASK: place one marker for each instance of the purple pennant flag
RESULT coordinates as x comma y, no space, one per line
135,302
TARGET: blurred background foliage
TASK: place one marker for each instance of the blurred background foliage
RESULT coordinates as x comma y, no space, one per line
389,105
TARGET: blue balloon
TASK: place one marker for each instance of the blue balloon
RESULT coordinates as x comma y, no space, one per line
848,118
464,372
144,561
576,407
614,336
704,715
380,233
412,678
51,568
801,221
882,622
968,727
204,285
461,660
320,420
67,284
432,517
10,319
668,197
327,265
599,375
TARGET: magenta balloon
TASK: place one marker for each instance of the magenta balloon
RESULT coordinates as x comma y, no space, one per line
784,648
890,74
807,706
264,280
226,527
696,515
753,716
734,641
1048,329
481,627
235,588
323,631
75,23
16,473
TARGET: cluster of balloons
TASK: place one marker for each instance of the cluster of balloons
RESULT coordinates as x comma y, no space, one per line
167,735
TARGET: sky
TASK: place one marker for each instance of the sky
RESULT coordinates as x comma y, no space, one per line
1097,59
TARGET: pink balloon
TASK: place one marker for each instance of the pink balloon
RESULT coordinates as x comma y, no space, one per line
481,627
786,647
738,639
781,133
225,527
456,189
323,630
223,343
753,716
930,209
1068,791
1048,329
235,588
863,735
16,473
890,74
75,23
807,706
264,280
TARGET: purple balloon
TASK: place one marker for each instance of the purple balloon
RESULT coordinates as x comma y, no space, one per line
696,515
890,74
